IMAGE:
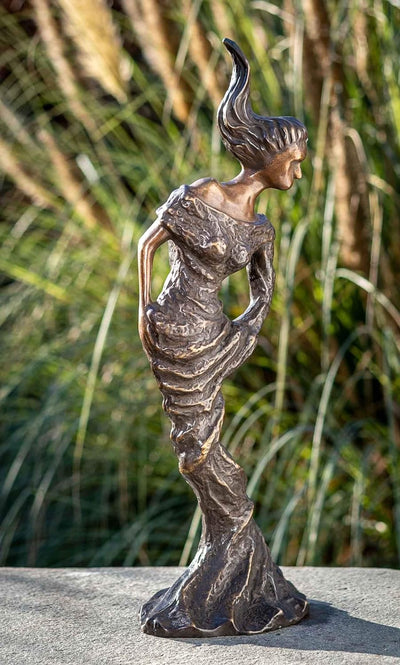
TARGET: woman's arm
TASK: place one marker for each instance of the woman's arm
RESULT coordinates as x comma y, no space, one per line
155,236
261,277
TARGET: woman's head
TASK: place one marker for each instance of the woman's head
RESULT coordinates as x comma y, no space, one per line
253,139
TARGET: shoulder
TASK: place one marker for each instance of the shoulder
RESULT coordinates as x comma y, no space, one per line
178,213
183,203
173,200
201,182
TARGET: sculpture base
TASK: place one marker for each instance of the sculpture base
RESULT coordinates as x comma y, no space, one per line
232,587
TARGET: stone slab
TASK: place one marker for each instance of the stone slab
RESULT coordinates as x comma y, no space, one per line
90,617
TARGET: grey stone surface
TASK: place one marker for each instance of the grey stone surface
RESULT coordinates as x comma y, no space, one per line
88,617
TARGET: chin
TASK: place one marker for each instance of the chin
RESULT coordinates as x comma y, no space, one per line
283,186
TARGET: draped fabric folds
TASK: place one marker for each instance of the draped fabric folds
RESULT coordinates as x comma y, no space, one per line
195,345
232,586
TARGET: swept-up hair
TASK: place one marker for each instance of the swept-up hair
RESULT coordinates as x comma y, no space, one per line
253,139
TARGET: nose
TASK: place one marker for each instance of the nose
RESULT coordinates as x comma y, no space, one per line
297,172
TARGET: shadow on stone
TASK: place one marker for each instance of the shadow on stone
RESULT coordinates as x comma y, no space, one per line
326,629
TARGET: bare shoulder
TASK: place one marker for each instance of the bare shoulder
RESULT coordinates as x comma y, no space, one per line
210,192
208,189
201,183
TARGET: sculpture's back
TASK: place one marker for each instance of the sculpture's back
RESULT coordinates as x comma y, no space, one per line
232,586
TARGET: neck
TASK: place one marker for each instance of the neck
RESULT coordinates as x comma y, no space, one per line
243,190
236,197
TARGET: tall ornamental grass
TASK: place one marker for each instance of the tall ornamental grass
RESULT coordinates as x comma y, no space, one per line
105,108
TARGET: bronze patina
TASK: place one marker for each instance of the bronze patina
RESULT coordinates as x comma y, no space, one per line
232,585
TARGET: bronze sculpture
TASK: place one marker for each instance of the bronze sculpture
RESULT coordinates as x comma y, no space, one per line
232,586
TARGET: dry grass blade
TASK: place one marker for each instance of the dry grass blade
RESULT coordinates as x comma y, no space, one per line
66,77
369,288
323,62
72,189
89,23
159,39
26,183
201,52
14,124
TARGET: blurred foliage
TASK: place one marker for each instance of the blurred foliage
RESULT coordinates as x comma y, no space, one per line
105,108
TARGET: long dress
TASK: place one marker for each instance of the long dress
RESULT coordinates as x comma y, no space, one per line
232,586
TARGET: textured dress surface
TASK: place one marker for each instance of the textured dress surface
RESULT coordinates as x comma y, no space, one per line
232,585
196,344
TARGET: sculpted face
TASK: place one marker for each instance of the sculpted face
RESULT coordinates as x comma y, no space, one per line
285,167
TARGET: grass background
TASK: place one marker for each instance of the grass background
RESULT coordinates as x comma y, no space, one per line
105,108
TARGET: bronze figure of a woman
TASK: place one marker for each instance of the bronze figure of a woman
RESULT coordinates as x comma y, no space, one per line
232,586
